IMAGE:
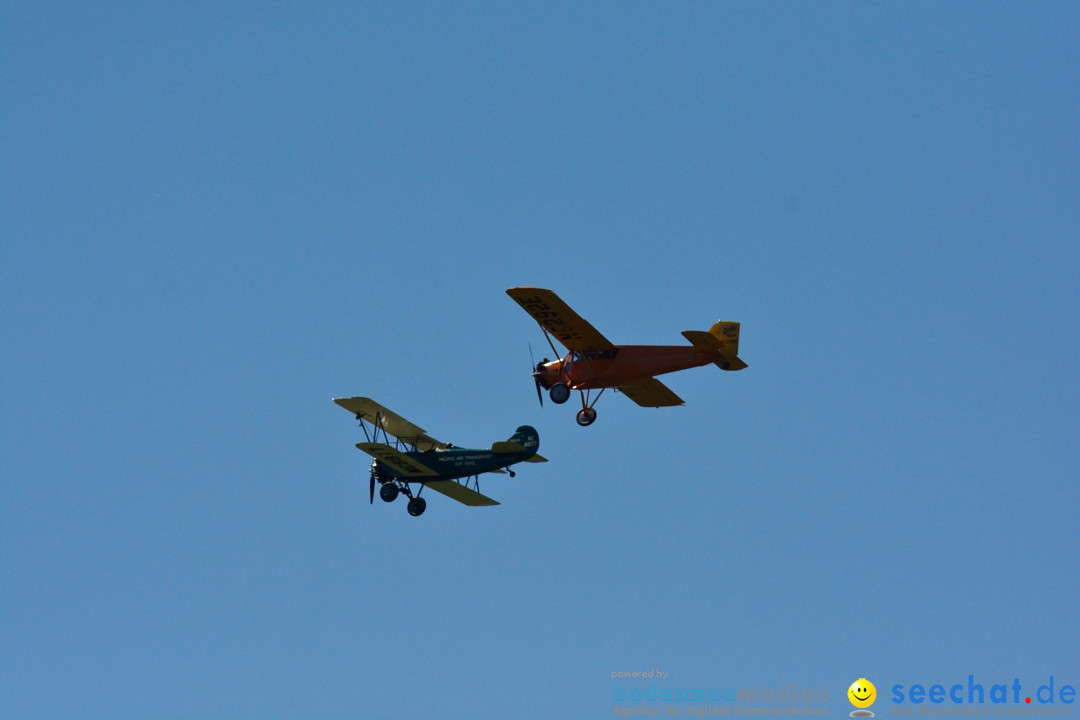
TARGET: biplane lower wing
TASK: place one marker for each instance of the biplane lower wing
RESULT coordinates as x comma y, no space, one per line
651,393
398,461
457,491
556,318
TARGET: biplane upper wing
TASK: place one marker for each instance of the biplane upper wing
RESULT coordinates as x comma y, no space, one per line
391,422
559,320
651,393
399,461
457,491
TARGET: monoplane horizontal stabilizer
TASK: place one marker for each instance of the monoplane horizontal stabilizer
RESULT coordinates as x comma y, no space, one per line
723,337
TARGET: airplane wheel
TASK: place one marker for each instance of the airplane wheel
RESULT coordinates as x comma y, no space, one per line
560,393
586,416
417,506
388,492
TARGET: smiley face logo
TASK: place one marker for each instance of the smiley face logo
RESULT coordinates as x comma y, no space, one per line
862,693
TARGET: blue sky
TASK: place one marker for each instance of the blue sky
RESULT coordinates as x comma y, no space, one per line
217,217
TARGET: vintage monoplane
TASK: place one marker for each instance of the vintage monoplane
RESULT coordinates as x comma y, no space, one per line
407,454
595,363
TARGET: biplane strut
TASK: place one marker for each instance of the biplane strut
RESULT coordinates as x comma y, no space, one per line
391,487
407,460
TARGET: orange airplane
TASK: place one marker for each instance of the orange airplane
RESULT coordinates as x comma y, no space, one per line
595,363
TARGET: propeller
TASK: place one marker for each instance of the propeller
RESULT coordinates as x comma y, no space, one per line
371,489
537,373
536,378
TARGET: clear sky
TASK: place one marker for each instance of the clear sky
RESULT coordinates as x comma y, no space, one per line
215,217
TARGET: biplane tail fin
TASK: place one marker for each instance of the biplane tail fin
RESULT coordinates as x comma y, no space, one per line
524,439
723,337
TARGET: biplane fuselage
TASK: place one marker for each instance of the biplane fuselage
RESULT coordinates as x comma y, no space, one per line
456,463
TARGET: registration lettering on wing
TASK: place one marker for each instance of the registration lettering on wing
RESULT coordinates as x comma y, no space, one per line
549,319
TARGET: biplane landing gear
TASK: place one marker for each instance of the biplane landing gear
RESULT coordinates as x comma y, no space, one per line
389,492
560,393
416,506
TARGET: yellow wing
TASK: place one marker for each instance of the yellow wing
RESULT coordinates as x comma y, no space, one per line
557,318
391,422
399,461
651,393
457,491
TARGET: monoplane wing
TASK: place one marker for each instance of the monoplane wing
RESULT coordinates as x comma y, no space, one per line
651,393
399,461
391,422
556,318
457,491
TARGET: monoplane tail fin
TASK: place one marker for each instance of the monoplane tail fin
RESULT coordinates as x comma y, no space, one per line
723,337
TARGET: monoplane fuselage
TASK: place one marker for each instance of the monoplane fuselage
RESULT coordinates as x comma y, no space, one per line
623,364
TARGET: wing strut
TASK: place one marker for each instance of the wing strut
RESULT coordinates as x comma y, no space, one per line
547,337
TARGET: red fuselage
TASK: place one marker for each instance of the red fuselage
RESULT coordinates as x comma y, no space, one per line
623,365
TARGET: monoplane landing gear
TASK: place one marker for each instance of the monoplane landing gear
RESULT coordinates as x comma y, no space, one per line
560,393
416,506
389,492
586,416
